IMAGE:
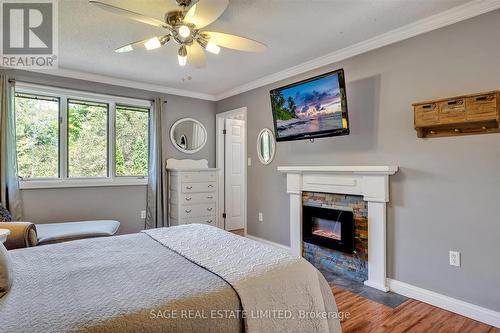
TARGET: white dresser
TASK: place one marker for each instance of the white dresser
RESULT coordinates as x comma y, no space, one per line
193,192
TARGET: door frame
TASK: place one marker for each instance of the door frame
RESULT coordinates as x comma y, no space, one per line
219,152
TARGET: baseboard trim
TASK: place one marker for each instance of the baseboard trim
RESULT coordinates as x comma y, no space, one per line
376,285
268,242
465,309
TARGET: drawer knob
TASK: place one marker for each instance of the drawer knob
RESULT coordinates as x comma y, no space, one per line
188,198
189,187
457,130
209,221
484,98
210,197
188,211
209,209
210,185
456,102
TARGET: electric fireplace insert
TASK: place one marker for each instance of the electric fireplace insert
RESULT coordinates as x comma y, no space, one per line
332,228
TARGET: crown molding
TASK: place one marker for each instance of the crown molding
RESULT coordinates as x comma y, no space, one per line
68,73
454,15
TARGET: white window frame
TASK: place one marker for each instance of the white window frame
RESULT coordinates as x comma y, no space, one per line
64,95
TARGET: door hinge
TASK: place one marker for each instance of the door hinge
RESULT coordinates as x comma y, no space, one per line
224,131
223,215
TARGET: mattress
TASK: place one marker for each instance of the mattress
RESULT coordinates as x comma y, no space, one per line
128,283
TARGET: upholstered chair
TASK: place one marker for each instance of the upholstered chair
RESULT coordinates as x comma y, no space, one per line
22,234
27,234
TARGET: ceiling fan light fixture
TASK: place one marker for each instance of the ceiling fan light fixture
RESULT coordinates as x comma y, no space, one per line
152,43
184,26
182,56
184,31
212,48
208,45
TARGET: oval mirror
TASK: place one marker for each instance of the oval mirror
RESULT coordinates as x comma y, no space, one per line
188,135
266,146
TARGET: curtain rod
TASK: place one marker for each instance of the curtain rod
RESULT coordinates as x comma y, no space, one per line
96,92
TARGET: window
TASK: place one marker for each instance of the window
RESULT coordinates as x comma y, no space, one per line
37,136
87,139
131,141
66,138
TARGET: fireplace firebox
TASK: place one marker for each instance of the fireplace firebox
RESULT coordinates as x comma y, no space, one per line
328,227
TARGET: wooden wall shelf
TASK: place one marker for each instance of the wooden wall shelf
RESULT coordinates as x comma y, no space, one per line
459,115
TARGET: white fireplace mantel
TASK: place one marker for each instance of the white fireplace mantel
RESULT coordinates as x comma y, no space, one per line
371,182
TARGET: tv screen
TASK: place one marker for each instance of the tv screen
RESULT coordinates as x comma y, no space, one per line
313,108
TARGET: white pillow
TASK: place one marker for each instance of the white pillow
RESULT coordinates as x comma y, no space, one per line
5,270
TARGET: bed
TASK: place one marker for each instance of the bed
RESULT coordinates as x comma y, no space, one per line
191,278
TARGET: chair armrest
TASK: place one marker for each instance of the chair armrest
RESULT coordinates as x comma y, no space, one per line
22,234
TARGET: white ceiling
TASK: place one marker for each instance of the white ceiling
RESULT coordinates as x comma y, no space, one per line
295,31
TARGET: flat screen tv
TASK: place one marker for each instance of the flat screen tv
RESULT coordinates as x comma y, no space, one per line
313,108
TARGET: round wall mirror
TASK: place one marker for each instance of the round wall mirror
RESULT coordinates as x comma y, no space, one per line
188,135
266,146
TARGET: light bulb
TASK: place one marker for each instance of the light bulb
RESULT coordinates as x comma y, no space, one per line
184,31
126,48
182,60
152,43
182,56
212,47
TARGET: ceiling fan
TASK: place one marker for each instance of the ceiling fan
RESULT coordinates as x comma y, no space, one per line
183,26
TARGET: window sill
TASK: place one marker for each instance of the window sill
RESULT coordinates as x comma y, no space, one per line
75,183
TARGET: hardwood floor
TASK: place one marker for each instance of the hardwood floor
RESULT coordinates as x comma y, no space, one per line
239,232
411,316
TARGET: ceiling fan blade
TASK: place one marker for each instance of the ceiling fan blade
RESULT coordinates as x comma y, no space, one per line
130,14
205,12
155,42
196,55
235,42
131,46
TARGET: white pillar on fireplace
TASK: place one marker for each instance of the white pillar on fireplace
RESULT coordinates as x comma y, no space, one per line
372,182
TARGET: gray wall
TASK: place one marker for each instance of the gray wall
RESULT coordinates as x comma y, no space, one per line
447,193
122,203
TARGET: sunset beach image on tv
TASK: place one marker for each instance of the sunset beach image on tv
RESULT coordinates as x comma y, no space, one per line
310,109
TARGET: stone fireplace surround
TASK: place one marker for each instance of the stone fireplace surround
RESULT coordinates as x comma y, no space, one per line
371,182
349,265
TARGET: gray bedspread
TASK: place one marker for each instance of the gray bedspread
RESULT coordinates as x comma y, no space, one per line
126,283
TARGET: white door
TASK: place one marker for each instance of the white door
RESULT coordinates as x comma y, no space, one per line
234,157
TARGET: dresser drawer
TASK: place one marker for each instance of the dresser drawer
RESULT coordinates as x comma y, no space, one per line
188,211
194,176
192,198
426,114
482,107
452,111
211,220
199,187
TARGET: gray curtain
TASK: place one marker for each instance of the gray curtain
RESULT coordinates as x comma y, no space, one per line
156,209
10,196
